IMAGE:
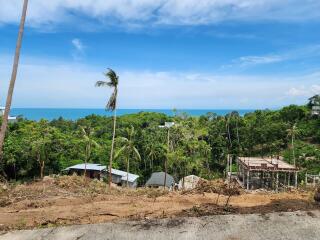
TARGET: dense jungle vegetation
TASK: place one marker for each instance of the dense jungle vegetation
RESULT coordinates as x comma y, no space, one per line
198,145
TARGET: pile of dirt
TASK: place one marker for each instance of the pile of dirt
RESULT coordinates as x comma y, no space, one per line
317,195
206,210
216,186
81,185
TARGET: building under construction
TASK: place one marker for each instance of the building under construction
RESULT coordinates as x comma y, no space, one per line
268,173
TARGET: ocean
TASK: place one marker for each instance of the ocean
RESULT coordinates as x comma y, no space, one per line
76,113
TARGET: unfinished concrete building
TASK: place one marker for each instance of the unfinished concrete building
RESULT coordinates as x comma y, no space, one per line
268,173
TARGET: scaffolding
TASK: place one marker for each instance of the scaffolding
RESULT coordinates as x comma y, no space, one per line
268,173
312,180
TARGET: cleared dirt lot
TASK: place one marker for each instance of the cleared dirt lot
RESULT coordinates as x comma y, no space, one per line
68,201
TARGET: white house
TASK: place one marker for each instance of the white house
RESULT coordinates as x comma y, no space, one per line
10,118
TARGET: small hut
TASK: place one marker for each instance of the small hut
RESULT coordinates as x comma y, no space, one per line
157,180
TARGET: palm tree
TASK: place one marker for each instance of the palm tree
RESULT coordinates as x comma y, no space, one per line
128,149
111,106
293,132
86,134
13,80
154,151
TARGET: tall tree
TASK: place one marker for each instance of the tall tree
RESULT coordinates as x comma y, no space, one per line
41,139
12,81
86,133
128,149
112,82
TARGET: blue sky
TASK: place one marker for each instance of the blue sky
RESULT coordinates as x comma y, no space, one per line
168,53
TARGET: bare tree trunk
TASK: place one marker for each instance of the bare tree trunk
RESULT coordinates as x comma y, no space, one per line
12,81
85,168
41,164
86,160
112,146
127,171
42,170
165,161
294,157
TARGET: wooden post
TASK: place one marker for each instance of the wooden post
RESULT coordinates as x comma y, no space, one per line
296,179
285,179
306,179
277,181
289,179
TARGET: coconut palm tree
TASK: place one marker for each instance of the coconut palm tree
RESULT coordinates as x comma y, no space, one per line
13,80
86,133
112,82
128,149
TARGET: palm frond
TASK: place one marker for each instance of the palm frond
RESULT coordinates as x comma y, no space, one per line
137,153
101,84
94,143
118,153
112,77
112,103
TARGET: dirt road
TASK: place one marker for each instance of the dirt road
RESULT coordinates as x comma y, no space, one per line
292,225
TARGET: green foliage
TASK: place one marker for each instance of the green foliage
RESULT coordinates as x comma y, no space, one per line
198,145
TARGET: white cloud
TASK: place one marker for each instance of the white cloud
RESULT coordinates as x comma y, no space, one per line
78,52
171,12
315,89
77,44
294,91
289,55
254,60
72,85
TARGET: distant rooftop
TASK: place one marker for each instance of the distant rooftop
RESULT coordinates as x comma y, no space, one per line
99,167
123,174
90,166
273,164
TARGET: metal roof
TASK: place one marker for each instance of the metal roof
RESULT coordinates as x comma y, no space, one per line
257,163
157,179
90,166
99,167
123,174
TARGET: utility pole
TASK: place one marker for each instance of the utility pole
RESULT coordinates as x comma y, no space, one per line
12,81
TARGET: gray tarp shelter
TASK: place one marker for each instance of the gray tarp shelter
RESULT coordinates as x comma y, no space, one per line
157,180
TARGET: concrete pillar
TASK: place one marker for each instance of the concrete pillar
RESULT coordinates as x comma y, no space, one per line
296,179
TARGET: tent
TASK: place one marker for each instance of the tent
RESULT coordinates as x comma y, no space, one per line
157,180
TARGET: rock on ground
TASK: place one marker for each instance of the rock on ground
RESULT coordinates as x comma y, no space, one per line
290,225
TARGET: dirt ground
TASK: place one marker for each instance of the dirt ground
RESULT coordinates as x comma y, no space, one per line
74,200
